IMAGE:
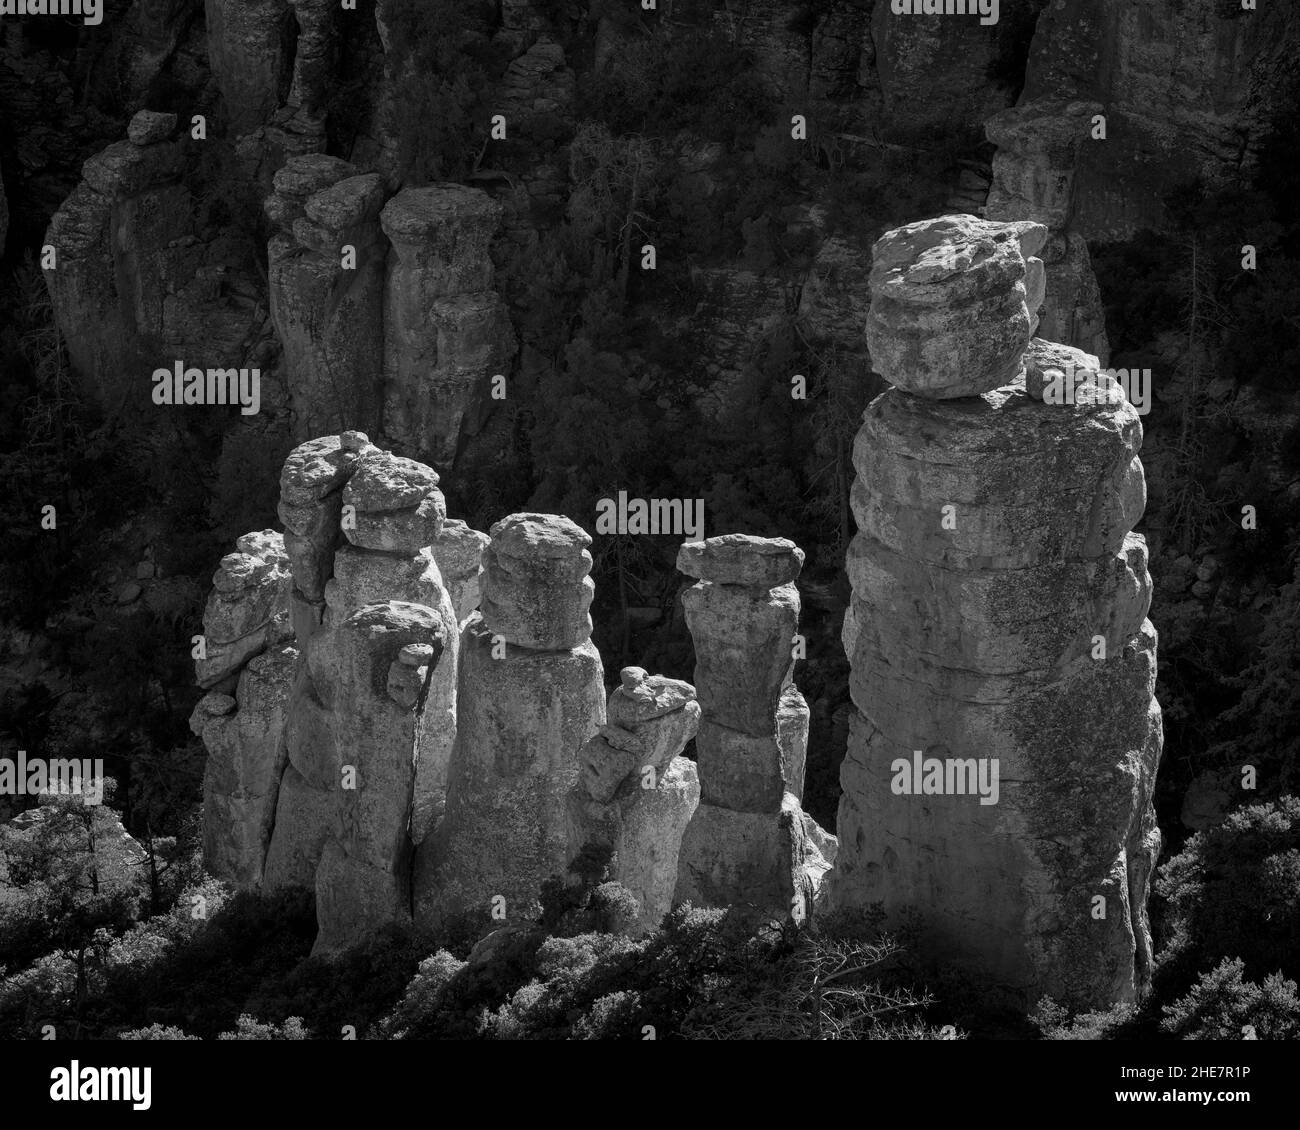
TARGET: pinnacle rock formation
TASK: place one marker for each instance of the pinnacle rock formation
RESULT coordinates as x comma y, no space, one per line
359,521
1033,179
749,841
327,303
459,553
127,205
446,331
246,45
328,757
132,278
531,692
248,607
247,667
953,304
382,658
636,794
1002,664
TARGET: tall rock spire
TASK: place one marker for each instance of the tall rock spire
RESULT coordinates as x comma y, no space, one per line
1005,741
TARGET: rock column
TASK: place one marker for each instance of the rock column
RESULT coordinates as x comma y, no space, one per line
635,794
1033,179
749,842
115,241
247,49
1004,745
531,693
371,721
326,278
446,331
246,665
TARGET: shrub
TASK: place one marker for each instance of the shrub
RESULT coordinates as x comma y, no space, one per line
1234,892
1222,1006
155,1032
248,1028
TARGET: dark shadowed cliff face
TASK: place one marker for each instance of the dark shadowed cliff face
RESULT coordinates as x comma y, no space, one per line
1190,90
561,250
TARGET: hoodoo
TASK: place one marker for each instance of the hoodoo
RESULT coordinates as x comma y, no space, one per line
998,613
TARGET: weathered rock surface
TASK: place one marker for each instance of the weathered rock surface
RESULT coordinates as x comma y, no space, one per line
1033,179
247,667
459,553
933,71
130,271
153,31
949,314
246,759
535,590
395,504
329,763
364,876
634,794
998,626
749,842
326,276
1188,92
372,515
248,607
247,42
742,651
522,717
311,508
446,331
770,862
751,773
742,559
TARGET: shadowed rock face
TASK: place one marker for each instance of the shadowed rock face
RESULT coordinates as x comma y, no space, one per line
635,794
999,612
1187,90
326,276
248,50
1033,179
748,843
133,286
446,331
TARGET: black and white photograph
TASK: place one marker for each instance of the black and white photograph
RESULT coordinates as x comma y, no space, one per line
641,521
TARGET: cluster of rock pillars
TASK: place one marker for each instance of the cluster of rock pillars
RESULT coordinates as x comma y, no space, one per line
409,716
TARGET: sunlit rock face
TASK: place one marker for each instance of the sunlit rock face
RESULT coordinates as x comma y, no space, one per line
531,693
635,795
1003,750
749,843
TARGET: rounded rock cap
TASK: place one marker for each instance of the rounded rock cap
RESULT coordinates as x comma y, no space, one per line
538,535
742,559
